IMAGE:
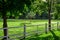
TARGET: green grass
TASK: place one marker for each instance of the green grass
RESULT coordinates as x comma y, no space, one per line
19,31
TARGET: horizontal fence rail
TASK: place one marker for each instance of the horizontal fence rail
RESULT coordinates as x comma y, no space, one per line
11,27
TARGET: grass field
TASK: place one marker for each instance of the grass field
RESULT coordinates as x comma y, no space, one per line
19,31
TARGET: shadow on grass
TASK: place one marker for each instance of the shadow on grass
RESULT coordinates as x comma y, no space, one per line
54,36
48,37
41,38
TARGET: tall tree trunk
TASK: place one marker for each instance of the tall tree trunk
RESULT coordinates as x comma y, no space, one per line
4,20
49,11
4,24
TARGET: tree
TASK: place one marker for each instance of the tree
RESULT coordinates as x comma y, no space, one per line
49,13
11,6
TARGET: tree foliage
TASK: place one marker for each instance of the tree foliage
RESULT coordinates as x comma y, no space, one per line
24,7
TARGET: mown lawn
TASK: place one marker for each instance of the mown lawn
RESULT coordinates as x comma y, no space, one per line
19,31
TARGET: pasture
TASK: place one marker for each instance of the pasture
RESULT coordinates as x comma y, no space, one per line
16,29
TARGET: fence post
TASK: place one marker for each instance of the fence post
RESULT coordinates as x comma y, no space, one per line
37,30
57,25
46,28
7,34
24,31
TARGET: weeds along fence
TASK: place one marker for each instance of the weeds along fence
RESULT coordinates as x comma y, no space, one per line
22,32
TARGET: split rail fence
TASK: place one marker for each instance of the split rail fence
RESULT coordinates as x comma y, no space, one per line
29,30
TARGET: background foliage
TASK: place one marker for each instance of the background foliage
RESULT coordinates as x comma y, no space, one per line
30,9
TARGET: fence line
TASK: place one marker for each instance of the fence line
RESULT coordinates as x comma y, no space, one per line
27,33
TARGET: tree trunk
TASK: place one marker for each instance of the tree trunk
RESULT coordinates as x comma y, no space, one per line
4,20
4,24
49,11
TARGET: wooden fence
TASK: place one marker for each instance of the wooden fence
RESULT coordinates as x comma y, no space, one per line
25,33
